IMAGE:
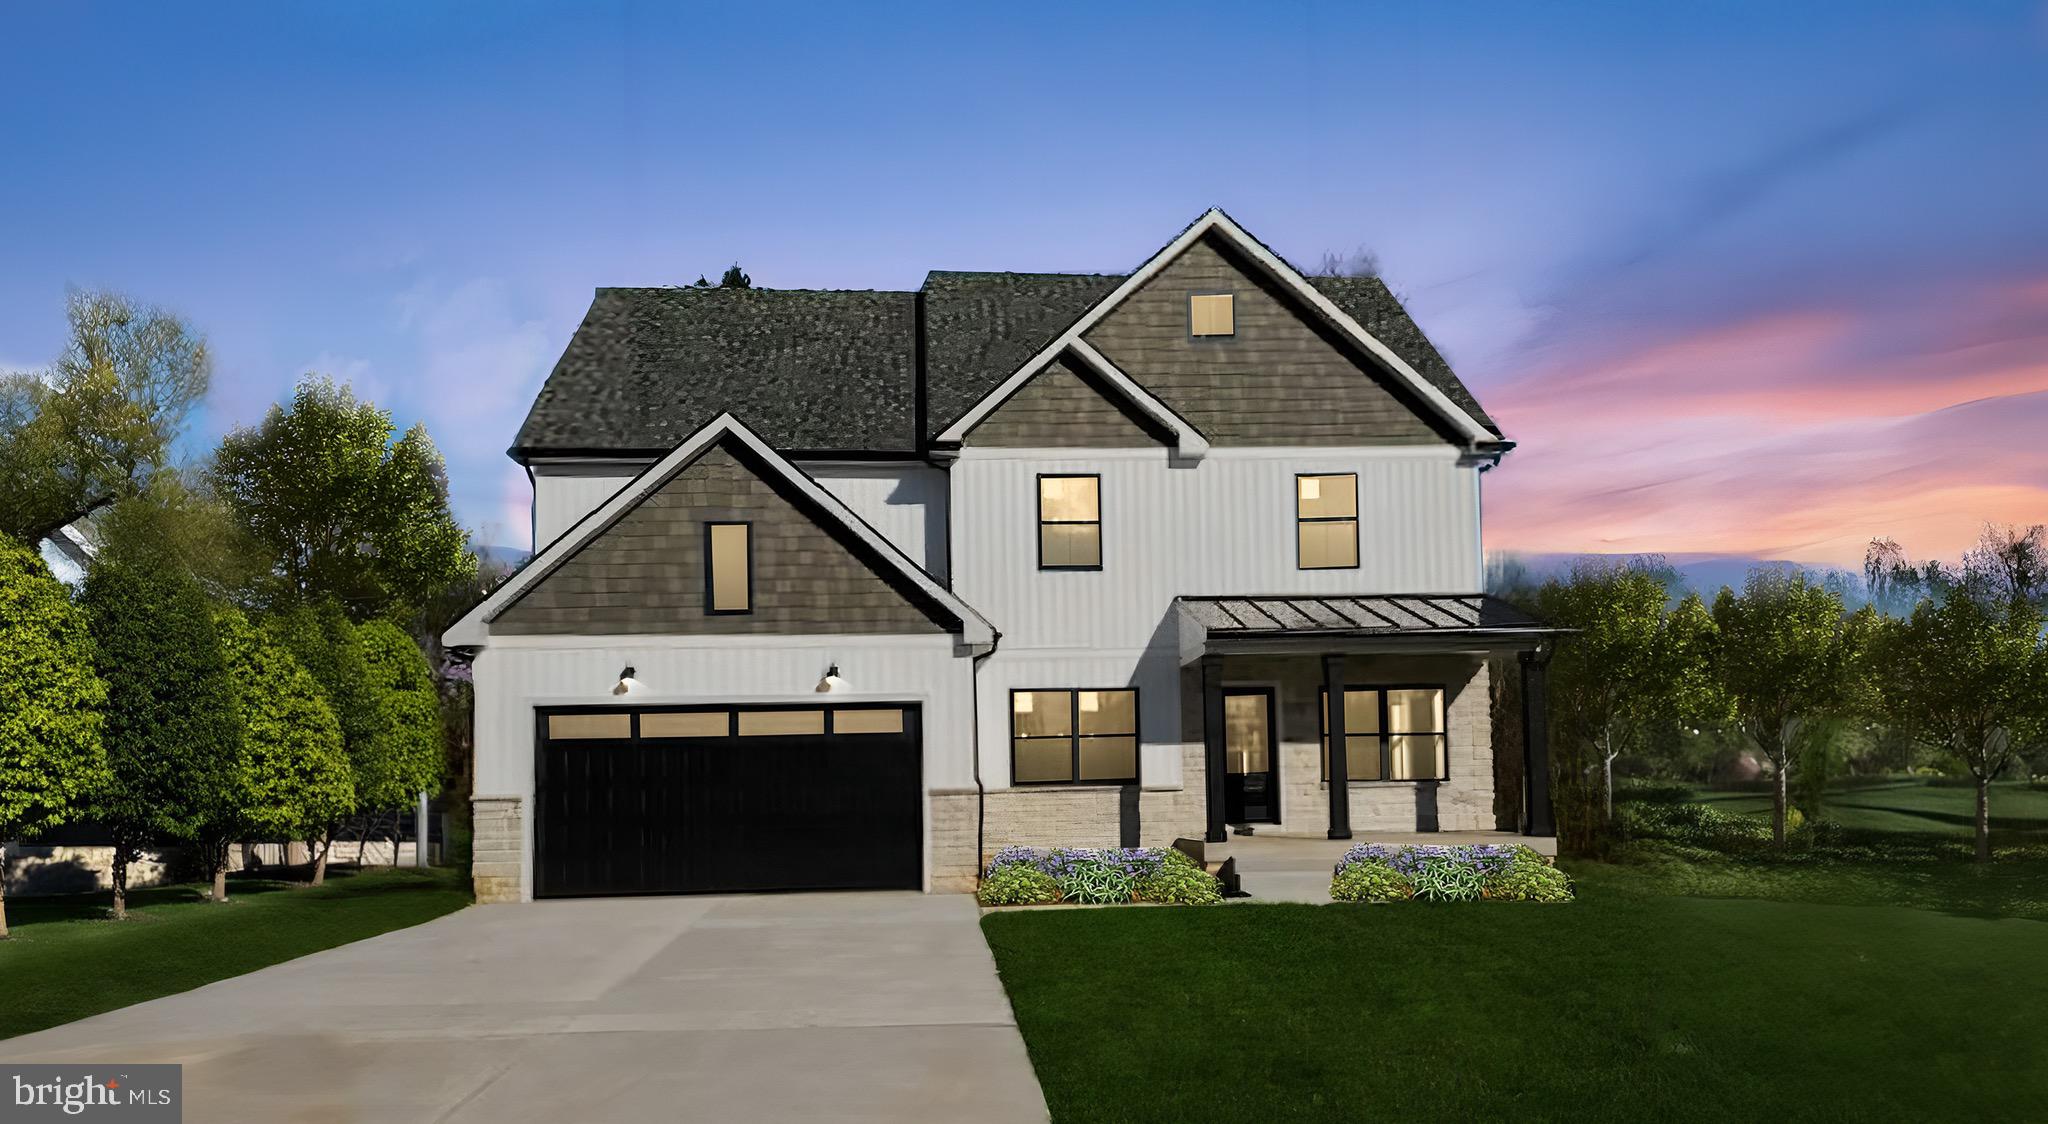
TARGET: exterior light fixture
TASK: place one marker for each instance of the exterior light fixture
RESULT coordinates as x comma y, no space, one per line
626,684
831,682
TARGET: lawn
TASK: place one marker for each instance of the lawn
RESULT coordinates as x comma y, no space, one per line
67,961
1629,1004
1909,804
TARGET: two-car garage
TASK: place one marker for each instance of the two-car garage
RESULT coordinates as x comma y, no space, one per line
662,800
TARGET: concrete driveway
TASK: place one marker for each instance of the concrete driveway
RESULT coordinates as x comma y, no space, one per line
773,1007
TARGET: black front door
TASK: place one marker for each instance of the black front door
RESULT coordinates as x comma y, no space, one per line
1251,782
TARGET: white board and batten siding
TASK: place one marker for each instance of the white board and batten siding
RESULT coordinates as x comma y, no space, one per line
906,503
517,674
1222,525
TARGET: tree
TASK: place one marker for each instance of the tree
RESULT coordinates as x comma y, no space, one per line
291,776
331,651
341,509
412,757
1887,576
51,757
2010,562
100,423
1970,681
1362,262
1784,657
171,721
735,278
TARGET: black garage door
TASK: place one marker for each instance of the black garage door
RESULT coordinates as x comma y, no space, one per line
709,799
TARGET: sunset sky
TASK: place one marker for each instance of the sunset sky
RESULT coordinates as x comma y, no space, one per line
1754,278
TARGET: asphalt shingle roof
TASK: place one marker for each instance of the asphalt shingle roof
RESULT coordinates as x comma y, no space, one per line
816,370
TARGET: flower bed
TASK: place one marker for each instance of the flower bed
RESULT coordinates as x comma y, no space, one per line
1372,872
1028,876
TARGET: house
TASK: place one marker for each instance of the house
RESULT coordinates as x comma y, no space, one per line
851,589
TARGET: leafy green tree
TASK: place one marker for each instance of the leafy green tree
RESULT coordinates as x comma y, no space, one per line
291,776
1785,657
51,758
340,507
172,726
330,648
99,425
413,755
1970,681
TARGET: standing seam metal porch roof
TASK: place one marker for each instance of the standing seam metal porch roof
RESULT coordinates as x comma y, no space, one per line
1402,614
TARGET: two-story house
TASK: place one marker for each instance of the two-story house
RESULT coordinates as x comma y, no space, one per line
852,589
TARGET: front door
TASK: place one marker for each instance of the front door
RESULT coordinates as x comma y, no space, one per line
1251,782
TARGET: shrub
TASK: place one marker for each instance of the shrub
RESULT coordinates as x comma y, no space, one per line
1370,882
1095,881
1530,879
1177,883
1652,792
1174,856
1017,883
1444,878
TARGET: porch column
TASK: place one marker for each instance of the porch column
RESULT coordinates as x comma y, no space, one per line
1536,814
1340,749
1212,744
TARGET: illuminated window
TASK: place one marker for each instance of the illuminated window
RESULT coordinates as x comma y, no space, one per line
1326,521
760,723
610,724
1394,732
729,572
1068,737
1212,314
686,724
1070,523
867,721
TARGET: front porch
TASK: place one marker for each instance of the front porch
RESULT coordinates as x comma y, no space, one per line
1407,681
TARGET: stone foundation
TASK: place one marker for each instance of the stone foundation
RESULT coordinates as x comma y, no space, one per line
497,843
954,867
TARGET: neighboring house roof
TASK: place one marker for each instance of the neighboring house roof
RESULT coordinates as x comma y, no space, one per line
837,370
1255,619
472,630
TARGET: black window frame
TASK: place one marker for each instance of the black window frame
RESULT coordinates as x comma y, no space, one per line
1357,551
1217,337
710,570
1074,735
1385,735
1038,500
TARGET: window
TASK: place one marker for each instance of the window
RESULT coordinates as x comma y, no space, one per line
756,723
1070,523
1212,314
1326,521
1070,737
685,724
1396,733
610,724
867,721
729,569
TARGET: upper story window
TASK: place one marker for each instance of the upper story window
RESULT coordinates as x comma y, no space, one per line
1396,733
1326,521
1074,737
729,567
1070,523
1212,314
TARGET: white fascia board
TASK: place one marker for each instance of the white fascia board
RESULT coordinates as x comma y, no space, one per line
473,631
1187,440
1215,220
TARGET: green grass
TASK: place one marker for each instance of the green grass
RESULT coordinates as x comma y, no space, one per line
67,960
1632,1003
1908,804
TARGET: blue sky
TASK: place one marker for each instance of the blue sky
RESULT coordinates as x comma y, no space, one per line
1750,277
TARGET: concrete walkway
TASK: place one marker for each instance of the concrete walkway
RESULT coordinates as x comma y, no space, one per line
773,1007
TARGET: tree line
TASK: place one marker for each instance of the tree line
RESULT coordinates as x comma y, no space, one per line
250,654
1946,660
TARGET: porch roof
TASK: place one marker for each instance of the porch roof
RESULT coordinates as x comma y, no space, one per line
1373,622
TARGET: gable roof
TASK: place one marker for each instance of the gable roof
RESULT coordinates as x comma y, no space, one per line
472,630
838,370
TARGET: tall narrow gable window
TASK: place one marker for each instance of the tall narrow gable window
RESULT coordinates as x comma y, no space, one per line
729,567
1070,523
1212,314
1326,521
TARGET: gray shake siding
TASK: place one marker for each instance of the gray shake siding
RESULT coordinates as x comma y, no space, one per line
1061,407
645,573
1278,381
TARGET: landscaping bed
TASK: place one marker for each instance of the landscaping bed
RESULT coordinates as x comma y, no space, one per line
1373,872
1019,876
67,960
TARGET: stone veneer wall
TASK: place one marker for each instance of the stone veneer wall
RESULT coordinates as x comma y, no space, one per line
496,842
954,868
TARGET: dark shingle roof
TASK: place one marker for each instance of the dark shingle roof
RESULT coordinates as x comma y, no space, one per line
806,369
816,370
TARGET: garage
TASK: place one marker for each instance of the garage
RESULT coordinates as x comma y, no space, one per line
717,799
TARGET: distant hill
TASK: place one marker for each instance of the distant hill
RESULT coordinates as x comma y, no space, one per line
509,557
1704,574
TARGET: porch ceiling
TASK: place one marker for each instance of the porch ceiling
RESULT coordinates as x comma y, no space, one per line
1379,622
